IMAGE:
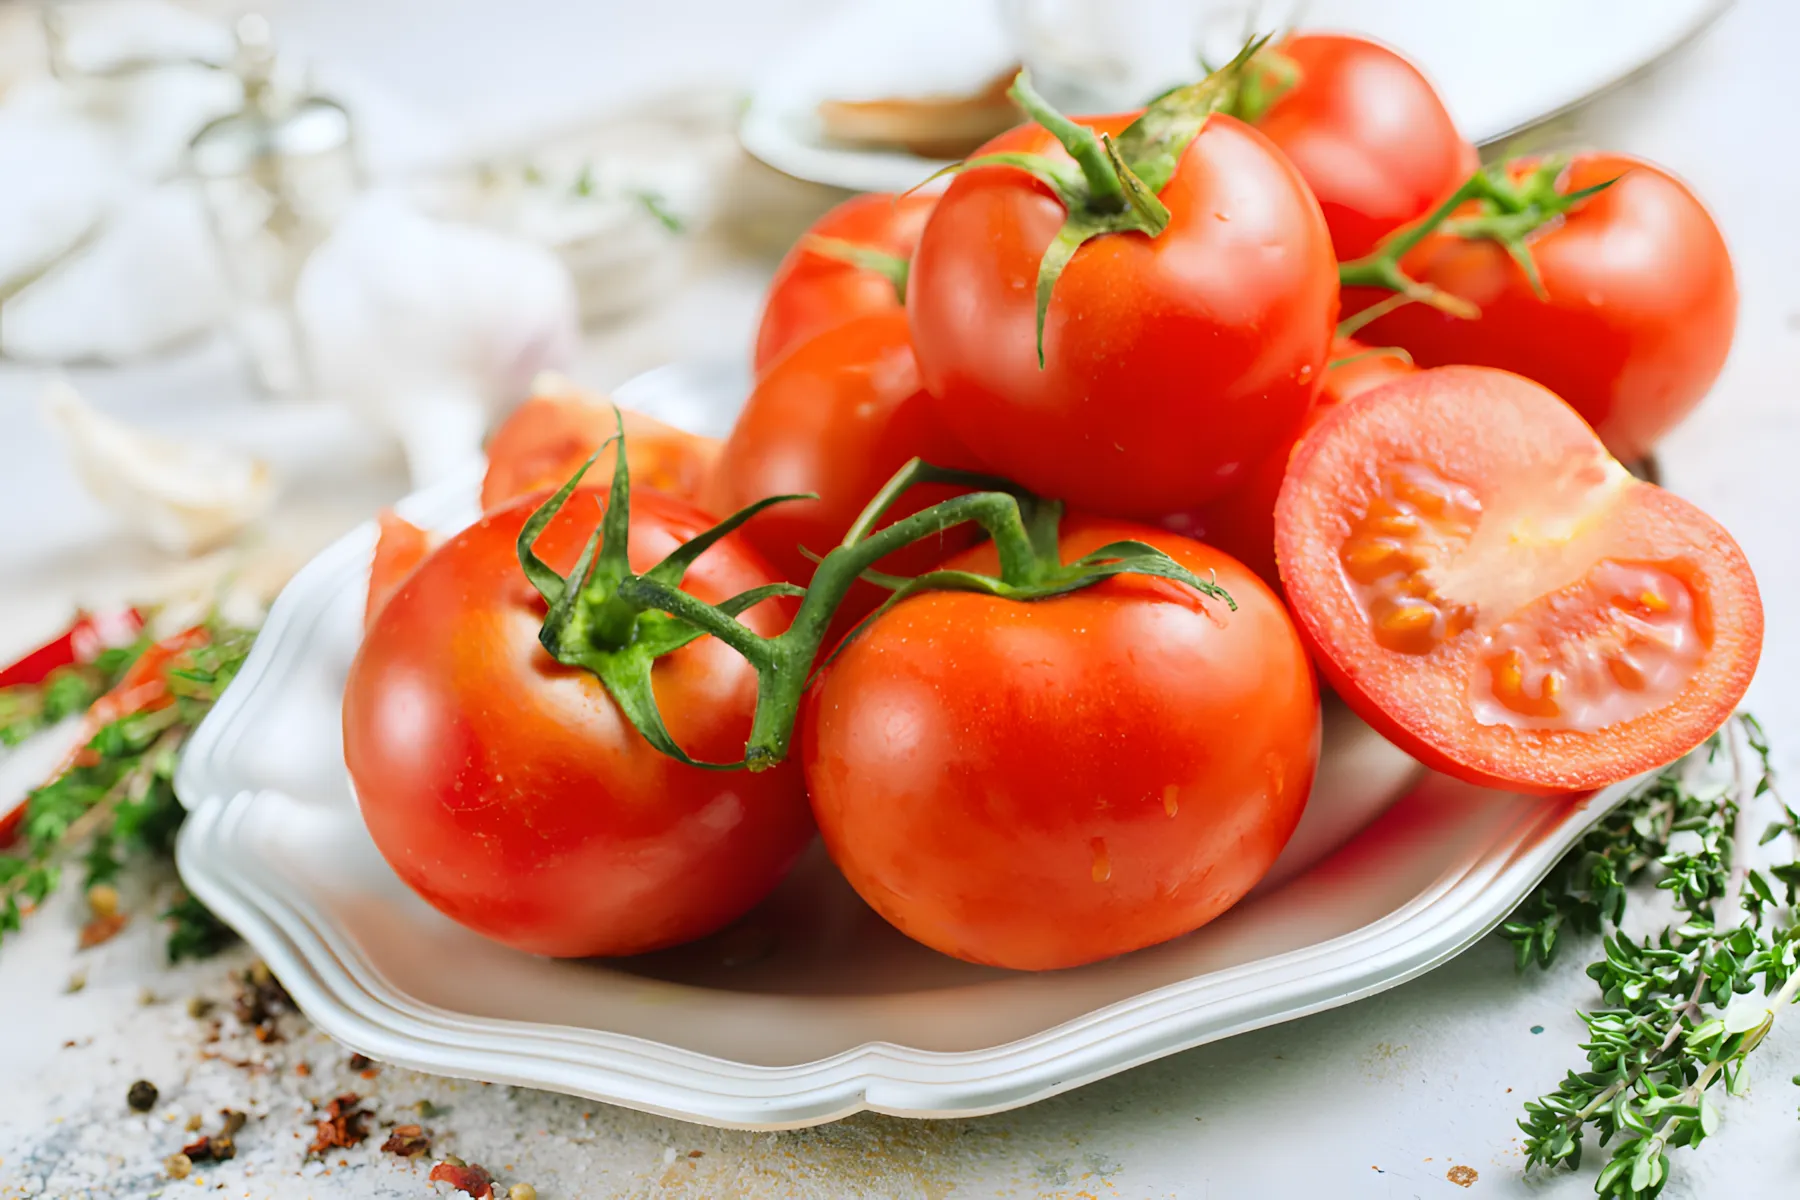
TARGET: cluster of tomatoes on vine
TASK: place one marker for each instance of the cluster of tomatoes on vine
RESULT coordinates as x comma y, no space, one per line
1057,484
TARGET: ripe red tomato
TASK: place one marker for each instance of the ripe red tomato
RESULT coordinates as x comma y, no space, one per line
1490,589
838,416
812,291
1639,308
510,792
400,546
1370,136
1173,365
1242,523
548,437
1044,784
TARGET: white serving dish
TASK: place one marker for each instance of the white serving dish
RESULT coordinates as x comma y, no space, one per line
811,1008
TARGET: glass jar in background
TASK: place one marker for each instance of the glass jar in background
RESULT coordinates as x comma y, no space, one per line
1096,56
276,176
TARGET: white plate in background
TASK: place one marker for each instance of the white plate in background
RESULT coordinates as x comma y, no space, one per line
1500,67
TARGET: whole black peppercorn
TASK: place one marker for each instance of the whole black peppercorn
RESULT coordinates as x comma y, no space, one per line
142,1096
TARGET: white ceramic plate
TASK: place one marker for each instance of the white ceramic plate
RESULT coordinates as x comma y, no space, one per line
811,1008
1500,68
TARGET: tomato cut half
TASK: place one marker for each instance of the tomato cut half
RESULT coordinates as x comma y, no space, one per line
1488,587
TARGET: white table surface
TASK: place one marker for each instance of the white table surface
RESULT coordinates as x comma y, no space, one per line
1378,1100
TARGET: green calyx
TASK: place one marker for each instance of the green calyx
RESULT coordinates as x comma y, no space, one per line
1113,184
865,258
1506,212
616,623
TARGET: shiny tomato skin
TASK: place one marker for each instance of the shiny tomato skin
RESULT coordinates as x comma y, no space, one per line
400,546
1369,134
1242,522
1045,784
509,792
812,292
1172,365
1556,515
1639,309
838,416
547,438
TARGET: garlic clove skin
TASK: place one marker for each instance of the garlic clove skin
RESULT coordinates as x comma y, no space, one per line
185,498
431,329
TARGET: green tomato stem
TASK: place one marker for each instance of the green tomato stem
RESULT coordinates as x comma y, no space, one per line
892,267
1105,193
615,623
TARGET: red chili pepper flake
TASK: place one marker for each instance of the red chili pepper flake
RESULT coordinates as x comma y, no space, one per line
100,930
407,1141
345,1124
82,642
472,1178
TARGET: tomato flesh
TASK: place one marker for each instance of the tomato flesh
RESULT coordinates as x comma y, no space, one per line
1039,785
1490,588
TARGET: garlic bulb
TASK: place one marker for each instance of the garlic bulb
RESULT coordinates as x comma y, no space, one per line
429,328
185,498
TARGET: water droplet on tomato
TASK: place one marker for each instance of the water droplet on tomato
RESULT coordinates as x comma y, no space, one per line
1102,870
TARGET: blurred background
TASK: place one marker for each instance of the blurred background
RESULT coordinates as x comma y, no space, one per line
264,269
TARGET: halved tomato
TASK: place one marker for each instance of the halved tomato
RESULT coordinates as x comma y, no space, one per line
1495,593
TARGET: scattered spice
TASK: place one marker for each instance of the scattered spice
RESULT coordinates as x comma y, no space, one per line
146,998
198,1007
428,1110
209,1149
345,1124
100,930
141,1097
472,1178
219,1146
76,982
193,1123
359,1061
260,1001
407,1141
521,1191
178,1166
302,1069
103,900
1462,1176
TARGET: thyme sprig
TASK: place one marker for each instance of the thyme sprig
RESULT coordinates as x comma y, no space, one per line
1682,1009
115,799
